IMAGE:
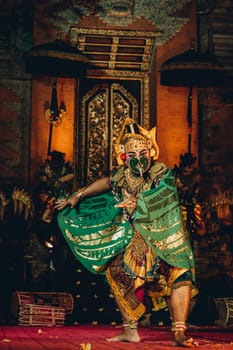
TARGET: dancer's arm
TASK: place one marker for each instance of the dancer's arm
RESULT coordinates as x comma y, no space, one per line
97,187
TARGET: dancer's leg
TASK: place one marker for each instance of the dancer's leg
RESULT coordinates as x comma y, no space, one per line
179,304
129,332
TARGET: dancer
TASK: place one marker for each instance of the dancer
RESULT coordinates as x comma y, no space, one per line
129,227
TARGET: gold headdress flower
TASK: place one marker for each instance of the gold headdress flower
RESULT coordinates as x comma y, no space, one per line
132,130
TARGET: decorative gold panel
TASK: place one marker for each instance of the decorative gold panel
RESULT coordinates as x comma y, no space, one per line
103,109
120,62
116,49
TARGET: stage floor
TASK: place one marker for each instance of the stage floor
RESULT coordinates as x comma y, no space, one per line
71,337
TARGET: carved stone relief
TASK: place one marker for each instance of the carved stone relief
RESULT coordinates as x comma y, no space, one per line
120,13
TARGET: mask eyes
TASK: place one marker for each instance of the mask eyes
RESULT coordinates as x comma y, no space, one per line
143,153
140,154
131,155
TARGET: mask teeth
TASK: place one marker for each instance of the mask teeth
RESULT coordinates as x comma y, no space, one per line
140,169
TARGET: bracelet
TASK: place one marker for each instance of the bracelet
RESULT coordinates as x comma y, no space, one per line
79,195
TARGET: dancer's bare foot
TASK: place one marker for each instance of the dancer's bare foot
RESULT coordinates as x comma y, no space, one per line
128,335
181,340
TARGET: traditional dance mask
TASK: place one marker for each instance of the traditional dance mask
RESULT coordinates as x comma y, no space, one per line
137,156
136,146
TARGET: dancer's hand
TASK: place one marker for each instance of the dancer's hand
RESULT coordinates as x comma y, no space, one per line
129,203
61,204
72,201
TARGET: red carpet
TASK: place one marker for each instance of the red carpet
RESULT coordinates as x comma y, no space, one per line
70,338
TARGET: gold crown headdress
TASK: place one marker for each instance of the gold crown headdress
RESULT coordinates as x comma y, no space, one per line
131,129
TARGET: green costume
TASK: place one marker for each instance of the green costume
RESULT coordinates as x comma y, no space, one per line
97,231
134,233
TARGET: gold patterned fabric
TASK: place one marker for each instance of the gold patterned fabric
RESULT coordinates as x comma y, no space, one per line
123,288
133,248
159,253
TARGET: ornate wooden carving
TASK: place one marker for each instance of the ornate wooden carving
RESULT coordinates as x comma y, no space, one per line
103,109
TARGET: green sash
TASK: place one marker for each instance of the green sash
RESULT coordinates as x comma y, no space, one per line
159,220
95,231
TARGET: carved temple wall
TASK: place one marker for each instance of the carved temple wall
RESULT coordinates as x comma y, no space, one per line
166,31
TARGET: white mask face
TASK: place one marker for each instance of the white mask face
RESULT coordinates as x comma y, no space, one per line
137,157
